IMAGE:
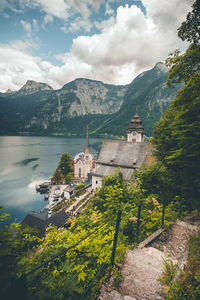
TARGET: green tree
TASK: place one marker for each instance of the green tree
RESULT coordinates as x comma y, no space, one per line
189,29
177,141
64,170
184,66
16,242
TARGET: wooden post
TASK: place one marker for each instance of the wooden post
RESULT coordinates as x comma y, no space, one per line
138,222
115,237
163,213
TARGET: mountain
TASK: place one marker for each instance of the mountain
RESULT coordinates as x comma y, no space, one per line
149,94
107,109
31,87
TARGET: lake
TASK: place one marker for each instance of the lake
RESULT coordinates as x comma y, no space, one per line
27,161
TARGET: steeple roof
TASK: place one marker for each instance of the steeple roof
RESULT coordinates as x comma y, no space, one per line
87,145
136,125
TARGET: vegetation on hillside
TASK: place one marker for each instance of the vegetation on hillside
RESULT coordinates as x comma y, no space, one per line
184,284
64,170
176,136
69,274
173,181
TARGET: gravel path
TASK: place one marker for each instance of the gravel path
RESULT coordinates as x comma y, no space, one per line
143,267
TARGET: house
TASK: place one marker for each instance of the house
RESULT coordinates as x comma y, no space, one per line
40,220
83,163
125,156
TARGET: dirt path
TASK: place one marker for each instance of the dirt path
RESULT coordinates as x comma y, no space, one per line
143,267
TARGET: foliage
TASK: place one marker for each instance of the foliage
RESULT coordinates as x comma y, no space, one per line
64,170
189,29
16,242
79,187
176,135
184,66
185,284
177,142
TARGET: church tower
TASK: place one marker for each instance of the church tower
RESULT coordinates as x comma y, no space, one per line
135,131
87,145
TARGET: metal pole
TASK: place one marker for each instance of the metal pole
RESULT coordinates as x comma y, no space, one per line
138,223
115,237
163,213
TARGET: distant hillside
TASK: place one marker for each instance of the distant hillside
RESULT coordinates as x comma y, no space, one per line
37,109
149,94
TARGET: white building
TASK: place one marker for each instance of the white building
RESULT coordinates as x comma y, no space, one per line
83,163
125,156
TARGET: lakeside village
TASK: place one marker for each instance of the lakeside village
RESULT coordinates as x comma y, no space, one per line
68,200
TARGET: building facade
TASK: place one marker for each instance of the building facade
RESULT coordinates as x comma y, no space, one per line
83,163
124,156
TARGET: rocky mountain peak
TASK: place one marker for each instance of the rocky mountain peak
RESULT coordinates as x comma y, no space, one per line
32,86
160,67
9,91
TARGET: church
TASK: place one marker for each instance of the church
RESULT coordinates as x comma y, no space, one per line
84,163
124,156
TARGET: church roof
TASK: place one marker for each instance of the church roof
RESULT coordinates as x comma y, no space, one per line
105,170
136,125
125,154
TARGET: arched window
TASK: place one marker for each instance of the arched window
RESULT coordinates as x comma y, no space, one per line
79,172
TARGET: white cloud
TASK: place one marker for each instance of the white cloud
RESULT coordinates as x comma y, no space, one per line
35,25
58,8
16,66
128,44
47,19
109,10
27,27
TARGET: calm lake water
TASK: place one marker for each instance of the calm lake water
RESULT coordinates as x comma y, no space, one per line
27,161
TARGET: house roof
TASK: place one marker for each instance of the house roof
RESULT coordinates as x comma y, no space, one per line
124,154
33,220
57,219
40,222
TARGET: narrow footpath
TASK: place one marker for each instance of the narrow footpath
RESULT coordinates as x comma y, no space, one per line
143,265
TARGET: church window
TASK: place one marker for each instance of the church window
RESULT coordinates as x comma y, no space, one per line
96,181
79,172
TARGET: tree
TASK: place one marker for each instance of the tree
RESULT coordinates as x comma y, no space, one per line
177,135
183,66
16,242
189,29
64,171
177,140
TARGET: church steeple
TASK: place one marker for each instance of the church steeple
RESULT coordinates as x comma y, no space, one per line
87,145
136,130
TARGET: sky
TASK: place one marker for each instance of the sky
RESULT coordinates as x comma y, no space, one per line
57,41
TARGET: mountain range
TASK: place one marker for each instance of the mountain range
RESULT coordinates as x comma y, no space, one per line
38,109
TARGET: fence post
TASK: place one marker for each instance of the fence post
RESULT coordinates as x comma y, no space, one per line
115,237
163,213
138,222
180,209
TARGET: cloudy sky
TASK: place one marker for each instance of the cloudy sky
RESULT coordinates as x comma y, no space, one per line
56,41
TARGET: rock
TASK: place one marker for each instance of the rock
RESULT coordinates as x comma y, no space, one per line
115,296
129,298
